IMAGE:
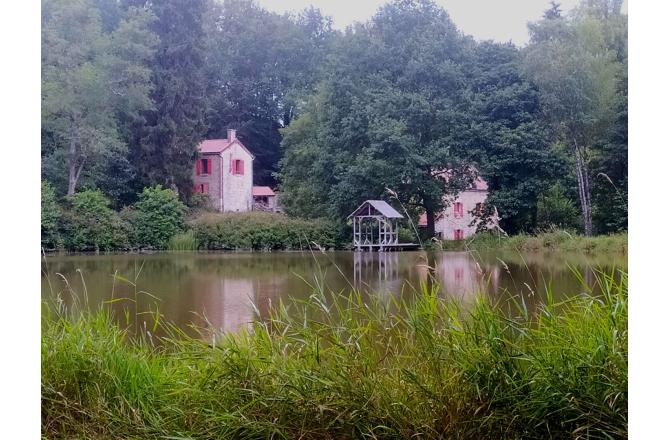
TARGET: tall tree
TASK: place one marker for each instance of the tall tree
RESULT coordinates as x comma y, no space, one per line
386,116
577,73
88,77
507,136
261,66
169,137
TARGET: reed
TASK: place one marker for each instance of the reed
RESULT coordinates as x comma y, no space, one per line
185,241
554,240
348,366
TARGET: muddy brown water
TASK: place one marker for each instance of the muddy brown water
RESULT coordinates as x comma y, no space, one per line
230,290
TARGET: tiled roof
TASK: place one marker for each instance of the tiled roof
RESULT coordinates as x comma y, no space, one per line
263,191
213,145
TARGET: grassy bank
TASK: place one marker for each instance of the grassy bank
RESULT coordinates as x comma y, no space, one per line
341,368
262,231
546,241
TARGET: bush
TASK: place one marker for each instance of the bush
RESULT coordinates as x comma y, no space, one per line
263,231
50,217
159,215
200,203
91,224
554,208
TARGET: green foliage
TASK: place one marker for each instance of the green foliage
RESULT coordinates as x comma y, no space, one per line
92,79
199,203
553,240
129,89
90,224
508,136
261,65
263,231
349,366
159,215
174,127
185,241
378,123
555,209
579,65
50,217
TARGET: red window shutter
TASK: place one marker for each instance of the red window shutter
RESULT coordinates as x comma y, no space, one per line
241,167
199,167
208,166
459,209
205,188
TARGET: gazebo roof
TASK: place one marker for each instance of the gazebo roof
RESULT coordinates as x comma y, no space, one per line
381,206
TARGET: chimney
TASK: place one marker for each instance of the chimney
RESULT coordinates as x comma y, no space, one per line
231,134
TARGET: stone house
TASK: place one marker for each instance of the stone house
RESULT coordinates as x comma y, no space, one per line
458,220
224,171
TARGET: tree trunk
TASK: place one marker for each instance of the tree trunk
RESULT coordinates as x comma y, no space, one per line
72,159
583,189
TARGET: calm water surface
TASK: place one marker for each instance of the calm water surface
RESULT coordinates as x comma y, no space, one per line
229,289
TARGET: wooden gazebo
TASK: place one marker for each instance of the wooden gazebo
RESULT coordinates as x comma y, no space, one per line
375,226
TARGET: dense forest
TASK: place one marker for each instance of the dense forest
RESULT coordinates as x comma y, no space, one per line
398,107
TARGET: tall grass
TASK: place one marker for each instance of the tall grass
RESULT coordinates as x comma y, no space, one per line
555,240
185,241
341,366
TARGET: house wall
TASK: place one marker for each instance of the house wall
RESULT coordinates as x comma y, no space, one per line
213,179
237,189
446,224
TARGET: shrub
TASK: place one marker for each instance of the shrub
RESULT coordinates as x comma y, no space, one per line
200,203
159,216
50,217
554,208
263,231
91,224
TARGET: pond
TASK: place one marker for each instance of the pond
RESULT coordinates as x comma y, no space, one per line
230,290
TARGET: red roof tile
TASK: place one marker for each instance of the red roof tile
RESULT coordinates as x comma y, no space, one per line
213,145
263,191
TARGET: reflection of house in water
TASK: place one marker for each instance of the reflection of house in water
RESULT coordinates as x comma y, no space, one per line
459,275
229,304
377,271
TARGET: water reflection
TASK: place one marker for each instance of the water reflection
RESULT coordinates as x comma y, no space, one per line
229,291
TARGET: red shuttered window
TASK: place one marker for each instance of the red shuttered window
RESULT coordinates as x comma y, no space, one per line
459,234
459,209
204,167
237,166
